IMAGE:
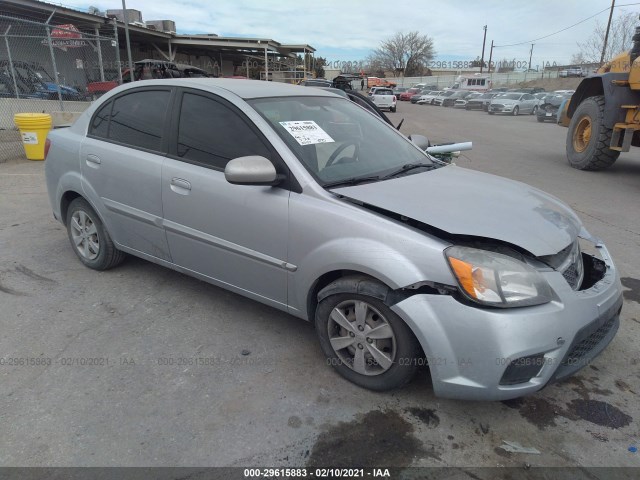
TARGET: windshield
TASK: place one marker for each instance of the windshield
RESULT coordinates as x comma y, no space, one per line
336,140
511,96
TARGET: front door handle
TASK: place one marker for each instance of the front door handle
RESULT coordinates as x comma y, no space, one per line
180,186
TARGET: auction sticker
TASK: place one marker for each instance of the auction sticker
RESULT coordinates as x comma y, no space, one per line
307,132
30,138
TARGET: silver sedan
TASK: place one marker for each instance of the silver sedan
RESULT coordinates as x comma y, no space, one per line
300,199
514,103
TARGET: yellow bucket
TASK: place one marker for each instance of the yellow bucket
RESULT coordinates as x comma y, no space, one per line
33,130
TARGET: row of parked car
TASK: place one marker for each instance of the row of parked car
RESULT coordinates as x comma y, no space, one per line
534,101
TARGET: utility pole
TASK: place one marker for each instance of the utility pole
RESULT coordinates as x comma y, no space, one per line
126,34
530,55
606,35
490,57
483,42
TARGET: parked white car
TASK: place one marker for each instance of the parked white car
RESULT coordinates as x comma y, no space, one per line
427,99
384,98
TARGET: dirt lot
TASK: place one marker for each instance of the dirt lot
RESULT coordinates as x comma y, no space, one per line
143,404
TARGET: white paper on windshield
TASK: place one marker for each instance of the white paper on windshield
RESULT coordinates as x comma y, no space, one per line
307,132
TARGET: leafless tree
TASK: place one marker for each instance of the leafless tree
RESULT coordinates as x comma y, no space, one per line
403,52
622,29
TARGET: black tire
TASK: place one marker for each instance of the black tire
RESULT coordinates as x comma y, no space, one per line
596,154
467,108
491,113
393,109
407,350
534,110
108,256
516,110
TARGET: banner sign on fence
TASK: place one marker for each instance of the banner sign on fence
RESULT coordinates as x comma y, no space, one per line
66,36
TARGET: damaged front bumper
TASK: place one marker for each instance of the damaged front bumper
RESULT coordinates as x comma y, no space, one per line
496,354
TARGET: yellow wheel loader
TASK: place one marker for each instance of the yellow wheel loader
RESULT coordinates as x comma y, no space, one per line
603,114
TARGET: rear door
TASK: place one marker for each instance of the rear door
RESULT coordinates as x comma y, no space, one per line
235,235
121,165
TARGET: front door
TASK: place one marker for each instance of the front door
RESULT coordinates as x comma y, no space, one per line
233,234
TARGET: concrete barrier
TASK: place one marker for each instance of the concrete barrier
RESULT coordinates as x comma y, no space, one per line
10,106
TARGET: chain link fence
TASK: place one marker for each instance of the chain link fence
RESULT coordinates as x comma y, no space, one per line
50,68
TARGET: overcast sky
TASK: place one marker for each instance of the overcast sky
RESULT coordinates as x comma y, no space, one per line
349,30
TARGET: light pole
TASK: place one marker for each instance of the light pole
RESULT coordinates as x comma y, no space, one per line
484,40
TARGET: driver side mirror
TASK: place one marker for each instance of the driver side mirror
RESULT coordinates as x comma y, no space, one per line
420,141
252,170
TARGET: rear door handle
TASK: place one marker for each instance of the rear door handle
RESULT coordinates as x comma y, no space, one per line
180,186
93,159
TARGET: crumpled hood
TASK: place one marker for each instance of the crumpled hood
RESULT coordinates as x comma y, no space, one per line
466,202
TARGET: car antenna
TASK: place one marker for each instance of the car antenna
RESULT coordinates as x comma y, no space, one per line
400,124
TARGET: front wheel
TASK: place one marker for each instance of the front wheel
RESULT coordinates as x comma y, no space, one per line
365,341
535,110
516,110
588,139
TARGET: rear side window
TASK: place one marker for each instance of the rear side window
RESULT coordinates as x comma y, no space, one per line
137,118
211,134
100,123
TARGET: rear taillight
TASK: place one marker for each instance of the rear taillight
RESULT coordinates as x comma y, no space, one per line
47,146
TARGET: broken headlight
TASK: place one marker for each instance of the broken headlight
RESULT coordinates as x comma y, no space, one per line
497,280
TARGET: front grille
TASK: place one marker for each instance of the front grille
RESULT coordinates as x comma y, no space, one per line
497,106
582,349
571,276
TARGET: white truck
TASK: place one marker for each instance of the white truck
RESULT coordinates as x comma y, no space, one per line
476,82
384,98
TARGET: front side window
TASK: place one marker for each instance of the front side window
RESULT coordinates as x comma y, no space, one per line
211,134
137,118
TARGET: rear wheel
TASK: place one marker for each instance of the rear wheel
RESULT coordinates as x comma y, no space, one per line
588,139
89,238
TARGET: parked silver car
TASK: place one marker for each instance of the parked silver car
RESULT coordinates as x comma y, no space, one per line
513,103
302,200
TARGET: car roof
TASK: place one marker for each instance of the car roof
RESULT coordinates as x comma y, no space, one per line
244,89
